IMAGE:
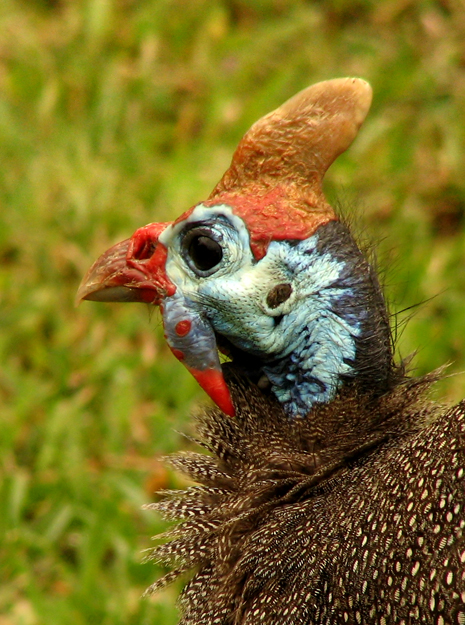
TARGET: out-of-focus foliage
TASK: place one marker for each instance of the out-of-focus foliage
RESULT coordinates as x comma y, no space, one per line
115,113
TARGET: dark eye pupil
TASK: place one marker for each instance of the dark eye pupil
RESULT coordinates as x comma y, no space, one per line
205,252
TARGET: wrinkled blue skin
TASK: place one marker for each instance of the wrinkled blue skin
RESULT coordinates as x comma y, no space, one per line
307,345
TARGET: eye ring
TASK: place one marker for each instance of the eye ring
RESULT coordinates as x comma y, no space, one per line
202,250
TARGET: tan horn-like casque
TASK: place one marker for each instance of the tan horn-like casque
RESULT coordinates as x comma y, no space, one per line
295,144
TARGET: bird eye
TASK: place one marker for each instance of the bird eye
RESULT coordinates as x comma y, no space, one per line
203,252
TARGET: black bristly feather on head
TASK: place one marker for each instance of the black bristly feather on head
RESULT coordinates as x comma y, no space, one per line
317,518
375,371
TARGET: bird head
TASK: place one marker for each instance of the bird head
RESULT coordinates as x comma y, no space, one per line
263,270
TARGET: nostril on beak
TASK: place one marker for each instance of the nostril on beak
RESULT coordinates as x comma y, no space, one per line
144,243
144,249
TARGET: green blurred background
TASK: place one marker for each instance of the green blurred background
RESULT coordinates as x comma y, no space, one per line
115,113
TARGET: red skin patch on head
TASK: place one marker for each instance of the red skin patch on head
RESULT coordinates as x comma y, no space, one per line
148,257
183,327
270,217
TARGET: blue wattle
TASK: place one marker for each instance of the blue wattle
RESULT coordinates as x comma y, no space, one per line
195,345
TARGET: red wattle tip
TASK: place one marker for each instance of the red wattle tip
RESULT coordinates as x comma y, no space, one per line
212,382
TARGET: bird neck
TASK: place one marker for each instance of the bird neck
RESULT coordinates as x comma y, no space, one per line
338,331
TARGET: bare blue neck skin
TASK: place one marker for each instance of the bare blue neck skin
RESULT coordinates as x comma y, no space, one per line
338,332
321,331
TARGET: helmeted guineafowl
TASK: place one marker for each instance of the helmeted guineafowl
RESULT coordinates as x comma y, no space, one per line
333,490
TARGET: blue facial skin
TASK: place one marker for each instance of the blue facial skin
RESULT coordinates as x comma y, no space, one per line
307,343
324,344
315,345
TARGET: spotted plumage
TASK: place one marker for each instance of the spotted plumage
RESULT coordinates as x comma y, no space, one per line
298,522
330,490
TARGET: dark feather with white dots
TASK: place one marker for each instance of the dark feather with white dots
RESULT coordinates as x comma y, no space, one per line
301,522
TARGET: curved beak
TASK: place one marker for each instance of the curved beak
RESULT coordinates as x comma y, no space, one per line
130,271
134,270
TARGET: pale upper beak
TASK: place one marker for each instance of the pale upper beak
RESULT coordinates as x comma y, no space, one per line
130,271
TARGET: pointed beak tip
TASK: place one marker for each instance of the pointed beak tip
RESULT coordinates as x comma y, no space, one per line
84,292
88,291
80,294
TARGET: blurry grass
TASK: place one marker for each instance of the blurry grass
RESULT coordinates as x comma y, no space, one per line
114,113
